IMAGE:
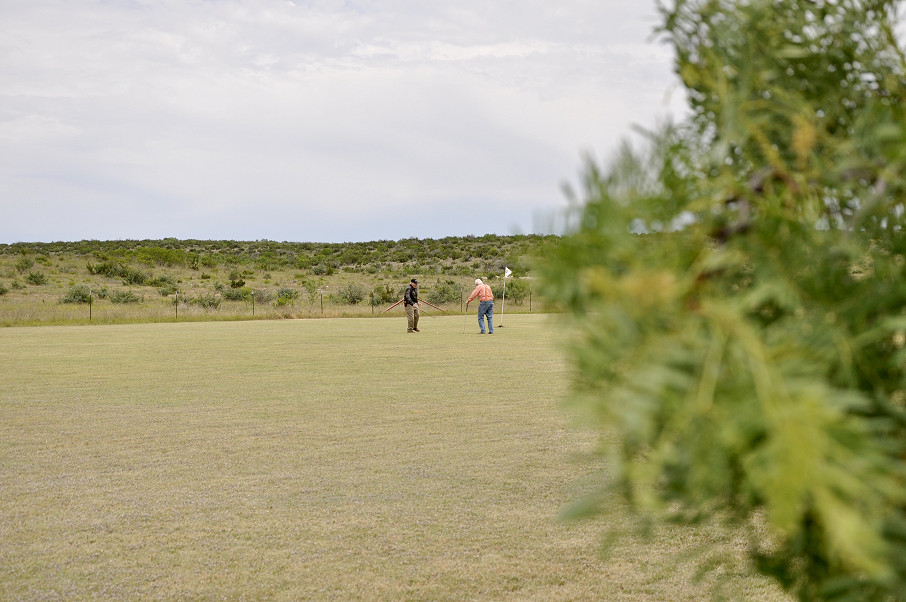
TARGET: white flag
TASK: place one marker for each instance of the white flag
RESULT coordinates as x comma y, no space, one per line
506,272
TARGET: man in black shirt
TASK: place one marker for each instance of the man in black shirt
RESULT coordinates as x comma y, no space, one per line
410,300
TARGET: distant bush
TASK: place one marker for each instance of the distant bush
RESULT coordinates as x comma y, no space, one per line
236,280
166,285
322,269
207,301
353,293
237,294
78,294
517,290
124,296
37,278
263,296
108,268
162,281
134,277
24,264
286,296
3,289
384,294
444,292
162,256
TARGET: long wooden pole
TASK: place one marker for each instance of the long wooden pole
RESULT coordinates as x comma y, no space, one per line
434,306
394,305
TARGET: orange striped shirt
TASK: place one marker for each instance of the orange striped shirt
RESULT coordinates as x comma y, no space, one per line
483,292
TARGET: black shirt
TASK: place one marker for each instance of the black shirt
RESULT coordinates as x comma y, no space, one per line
411,296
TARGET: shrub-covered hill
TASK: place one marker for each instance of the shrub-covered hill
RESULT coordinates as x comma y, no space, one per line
37,279
451,255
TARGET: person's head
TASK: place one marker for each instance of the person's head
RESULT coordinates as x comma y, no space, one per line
478,281
414,282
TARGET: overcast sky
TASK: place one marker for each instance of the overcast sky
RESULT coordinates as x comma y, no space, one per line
313,121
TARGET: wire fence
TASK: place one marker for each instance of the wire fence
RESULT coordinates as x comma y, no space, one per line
29,310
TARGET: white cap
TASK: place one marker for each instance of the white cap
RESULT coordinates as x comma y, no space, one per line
478,281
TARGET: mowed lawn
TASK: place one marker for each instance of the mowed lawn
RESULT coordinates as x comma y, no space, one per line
307,459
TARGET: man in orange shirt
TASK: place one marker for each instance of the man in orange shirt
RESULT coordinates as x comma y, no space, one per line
485,305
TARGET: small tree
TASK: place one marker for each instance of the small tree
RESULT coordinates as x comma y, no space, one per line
37,278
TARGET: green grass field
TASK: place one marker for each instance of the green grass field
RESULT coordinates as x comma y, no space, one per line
308,459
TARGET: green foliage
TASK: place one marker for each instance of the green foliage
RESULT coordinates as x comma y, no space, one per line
78,294
167,257
3,289
133,277
286,296
202,267
207,301
115,269
738,288
123,296
166,285
385,293
450,255
162,281
237,294
263,296
352,293
322,269
108,268
36,278
447,291
517,290
24,264
311,289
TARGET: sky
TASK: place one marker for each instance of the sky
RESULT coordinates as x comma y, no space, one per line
314,121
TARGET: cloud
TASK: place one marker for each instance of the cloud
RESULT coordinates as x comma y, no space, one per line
242,119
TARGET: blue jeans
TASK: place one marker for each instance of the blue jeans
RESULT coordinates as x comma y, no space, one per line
486,308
